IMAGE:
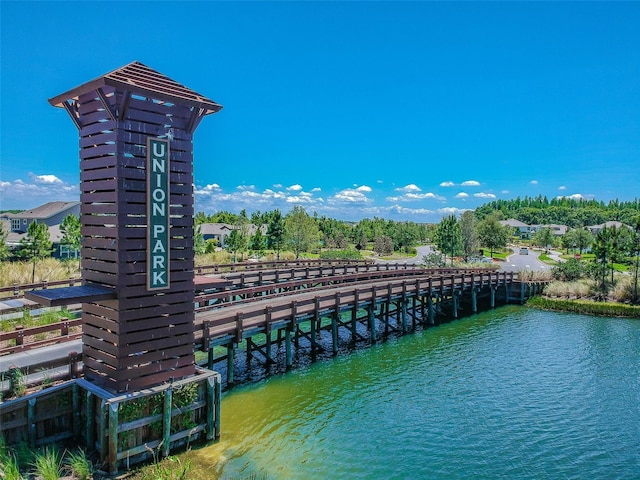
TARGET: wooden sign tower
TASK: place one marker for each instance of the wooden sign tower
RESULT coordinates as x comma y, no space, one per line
136,179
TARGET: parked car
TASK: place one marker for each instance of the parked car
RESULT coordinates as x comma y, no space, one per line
524,251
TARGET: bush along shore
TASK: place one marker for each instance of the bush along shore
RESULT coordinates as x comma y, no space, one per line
587,307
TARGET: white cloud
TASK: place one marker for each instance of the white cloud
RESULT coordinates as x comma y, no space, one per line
462,195
350,195
398,209
504,192
534,182
562,187
451,210
414,197
212,187
577,196
447,184
316,189
484,195
363,188
19,194
294,188
470,183
46,179
246,187
409,188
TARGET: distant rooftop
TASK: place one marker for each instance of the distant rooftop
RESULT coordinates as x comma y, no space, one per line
42,212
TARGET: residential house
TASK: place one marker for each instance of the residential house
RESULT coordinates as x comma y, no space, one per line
595,229
522,229
51,214
557,230
220,231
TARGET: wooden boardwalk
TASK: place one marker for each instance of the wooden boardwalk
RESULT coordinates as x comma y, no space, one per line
352,307
278,313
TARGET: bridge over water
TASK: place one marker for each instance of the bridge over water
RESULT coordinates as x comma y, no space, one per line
273,316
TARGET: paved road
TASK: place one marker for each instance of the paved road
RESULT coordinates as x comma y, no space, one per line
516,262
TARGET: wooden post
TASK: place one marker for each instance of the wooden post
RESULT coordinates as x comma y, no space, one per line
211,402
414,307
287,347
372,320
31,421
166,421
231,351
268,360
522,292
454,300
103,430
314,321
474,299
493,296
403,315
354,317
112,458
216,402
64,327
249,354
432,310
334,333
75,402
90,420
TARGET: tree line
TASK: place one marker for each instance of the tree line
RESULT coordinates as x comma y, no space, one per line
575,213
299,232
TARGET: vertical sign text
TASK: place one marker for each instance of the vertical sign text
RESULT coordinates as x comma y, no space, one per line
157,214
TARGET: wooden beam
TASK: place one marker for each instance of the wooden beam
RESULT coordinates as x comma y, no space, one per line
105,103
125,105
72,110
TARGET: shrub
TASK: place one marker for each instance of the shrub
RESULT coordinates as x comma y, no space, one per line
568,271
347,254
433,260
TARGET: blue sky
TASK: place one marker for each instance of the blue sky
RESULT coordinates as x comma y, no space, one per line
405,111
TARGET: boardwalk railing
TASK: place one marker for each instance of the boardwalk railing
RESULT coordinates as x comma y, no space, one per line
63,331
236,319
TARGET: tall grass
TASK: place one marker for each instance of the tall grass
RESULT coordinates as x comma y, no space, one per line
579,289
48,269
534,276
9,468
48,464
79,465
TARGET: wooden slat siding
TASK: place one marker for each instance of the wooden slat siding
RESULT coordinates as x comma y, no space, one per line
177,110
97,151
96,128
100,138
98,174
152,118
113,196
132,138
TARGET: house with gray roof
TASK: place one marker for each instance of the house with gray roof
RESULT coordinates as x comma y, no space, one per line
595,229
523,230
220,231
51,214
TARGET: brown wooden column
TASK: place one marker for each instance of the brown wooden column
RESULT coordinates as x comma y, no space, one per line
144,337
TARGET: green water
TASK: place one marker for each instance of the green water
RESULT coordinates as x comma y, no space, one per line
513,393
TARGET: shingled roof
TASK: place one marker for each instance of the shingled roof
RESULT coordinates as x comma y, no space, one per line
138,78
45,211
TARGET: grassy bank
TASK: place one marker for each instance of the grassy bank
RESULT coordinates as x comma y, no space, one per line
588,307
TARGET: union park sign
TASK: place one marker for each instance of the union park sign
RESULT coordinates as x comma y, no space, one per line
157,214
